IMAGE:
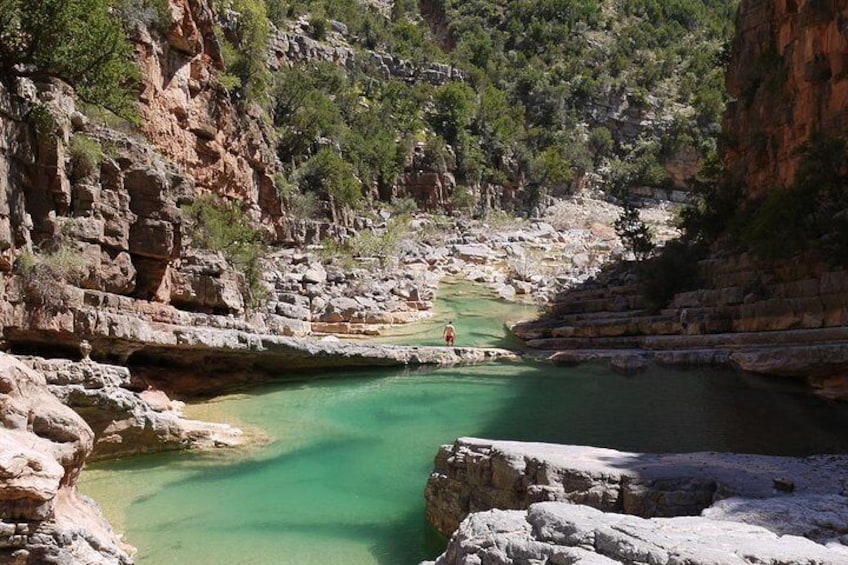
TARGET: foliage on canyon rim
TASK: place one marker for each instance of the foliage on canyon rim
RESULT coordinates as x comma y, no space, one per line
526,110
79,41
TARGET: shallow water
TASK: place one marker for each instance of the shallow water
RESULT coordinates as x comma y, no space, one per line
341,480
479,317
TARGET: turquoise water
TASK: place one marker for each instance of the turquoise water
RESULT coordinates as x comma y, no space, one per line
341,477
480,319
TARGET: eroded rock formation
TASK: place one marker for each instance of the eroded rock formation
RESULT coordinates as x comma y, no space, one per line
43,519
575,504
472,475
552,532
191,120
126,421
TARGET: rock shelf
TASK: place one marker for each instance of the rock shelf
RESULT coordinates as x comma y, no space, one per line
605,506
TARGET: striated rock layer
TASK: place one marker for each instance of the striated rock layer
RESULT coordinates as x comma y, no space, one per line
474,475
572,504
126,422
785,319
43,446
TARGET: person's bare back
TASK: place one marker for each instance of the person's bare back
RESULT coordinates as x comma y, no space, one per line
449,334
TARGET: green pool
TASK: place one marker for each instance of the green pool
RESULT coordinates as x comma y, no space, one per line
341,478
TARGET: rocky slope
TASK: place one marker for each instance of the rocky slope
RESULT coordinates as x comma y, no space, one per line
579,503
783,317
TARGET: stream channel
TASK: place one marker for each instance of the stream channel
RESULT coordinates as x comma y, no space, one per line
339,476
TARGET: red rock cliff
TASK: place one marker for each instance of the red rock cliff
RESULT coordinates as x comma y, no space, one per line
789,78
190,118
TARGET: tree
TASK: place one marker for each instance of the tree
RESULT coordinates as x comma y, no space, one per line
246,59
78,41
329,175
455,108
635,235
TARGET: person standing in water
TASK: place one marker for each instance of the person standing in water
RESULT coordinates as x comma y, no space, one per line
449,334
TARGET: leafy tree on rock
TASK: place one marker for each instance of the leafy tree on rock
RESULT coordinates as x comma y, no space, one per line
79,41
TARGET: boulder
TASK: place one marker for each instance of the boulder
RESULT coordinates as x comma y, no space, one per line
126,422
473,474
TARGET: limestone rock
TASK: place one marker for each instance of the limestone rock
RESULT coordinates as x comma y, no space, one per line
125,422
551,532
43,445
473,475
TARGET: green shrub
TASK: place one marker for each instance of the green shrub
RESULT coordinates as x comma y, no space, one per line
810,213
462,199
406,206
43,122
245,51
154,14
277,12
368,244
318,27
328,174
222,226
305,206
86,155
80,41
44,272
635,235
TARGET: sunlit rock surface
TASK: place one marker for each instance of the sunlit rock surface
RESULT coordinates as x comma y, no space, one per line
587,505
551,532
43,445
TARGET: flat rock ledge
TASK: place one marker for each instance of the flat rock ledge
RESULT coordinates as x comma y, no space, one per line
127,421
234,360
202,360
752,502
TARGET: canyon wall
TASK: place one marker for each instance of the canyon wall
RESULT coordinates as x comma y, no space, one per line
788,76
789,80
192,120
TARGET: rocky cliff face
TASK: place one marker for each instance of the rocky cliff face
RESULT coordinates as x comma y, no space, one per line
191,119
789,78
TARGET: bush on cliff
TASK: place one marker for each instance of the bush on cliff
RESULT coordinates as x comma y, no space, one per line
86,155
810,214
45,270
245,50
222,226
332,177
79,41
